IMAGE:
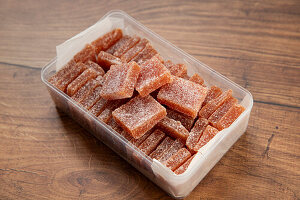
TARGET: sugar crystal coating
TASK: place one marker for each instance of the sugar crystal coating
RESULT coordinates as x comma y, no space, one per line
98,107
207,135
86,54
152,142
73,73
139,141
105,60
113,124
184,166
153,75
221,111
92,98
183,96
77,83
126,135
212,93
197,79
107,40
162,147
96,67
178,159
179,70
105,115
120,81
128,44
173,128
147,53
233,113
196,133
177,144
207,110
131,53
139,115
185,120
62,72
84,91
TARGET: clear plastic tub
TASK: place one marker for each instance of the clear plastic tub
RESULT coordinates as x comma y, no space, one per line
178,186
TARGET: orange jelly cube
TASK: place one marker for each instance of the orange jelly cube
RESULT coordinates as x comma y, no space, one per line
96,67
128,45
152,142
176,145
120,81
196,133
207,135
98,107
86,54
76,84
92,98
84,91
153,75
105,115
179,70
233,113
164,146
126,135
184,166
173,128
212,93
139,141
74,72
105,60
107,40
131,53
207,110
183,96
139,115
221,111
186,121
62,72
147,53
197,79
178,159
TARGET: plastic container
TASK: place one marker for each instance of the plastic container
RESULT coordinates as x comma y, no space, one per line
178,186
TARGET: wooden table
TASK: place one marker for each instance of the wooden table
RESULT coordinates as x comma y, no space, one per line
46,155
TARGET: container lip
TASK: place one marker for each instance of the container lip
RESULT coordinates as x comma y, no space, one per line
170,174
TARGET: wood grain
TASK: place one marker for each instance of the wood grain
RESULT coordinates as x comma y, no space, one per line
46,155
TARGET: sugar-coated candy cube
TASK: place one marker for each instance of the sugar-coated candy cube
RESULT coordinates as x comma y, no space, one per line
207,135
140,140
107,40
152,142
105,60
105,115
173,128
207,110
177,144
139,115
147,53
77,83
98,107
197,79
85,90
128,44
96,67
92,98
184,166
62,72
183,96
120,81
113,124
178,159
74,72
233,113
153,75
196,133
87,53
179,70
162,147
212,93
131,53
185,120
126,135
221,111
